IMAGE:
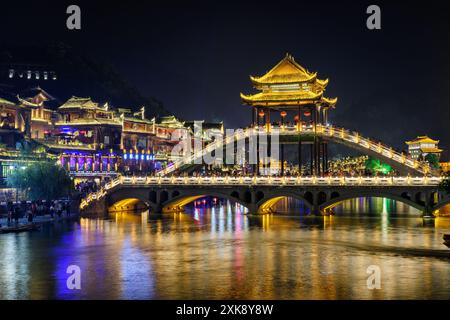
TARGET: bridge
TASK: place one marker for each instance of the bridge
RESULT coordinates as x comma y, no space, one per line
403,163
260,194
287,91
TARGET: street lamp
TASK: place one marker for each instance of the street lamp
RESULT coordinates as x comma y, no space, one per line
283,115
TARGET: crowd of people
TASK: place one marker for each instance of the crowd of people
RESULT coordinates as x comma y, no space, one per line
17,211
86,187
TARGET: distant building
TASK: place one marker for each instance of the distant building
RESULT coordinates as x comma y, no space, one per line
421,146
43,114
445,166
15,124
89,139
30,72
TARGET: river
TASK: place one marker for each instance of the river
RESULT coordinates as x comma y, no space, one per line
223,253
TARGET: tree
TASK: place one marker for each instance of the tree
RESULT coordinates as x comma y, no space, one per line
375,166
42,180
432,160
445,184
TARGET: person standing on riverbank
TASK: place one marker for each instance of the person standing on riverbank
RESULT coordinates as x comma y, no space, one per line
10,212
68,208
52,210
30,215
58,208
16,213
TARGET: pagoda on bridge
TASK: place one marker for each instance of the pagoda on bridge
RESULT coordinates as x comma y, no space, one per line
288,85
295,96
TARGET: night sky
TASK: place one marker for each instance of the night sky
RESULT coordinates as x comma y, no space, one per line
393,84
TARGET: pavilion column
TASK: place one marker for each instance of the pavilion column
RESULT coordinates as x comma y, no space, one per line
299,156
257,154
282,158
253,116
299,151
315,149
324,146
268,151
318,142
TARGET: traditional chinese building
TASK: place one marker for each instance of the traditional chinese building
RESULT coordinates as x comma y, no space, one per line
87,137
169,132
15,123
138,137
293,96
42,114
421,146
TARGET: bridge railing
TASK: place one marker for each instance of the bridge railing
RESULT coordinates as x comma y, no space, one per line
140,181
328,130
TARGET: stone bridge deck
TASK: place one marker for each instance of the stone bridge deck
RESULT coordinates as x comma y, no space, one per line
260,194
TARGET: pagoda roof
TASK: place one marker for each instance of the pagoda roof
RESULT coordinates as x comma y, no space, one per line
287,71
422,139
6,102
431,150
287,98
205,124
37,97
171,121
288,84
82,103
138,120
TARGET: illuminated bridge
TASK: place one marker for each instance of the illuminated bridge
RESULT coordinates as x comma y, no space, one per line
399,161
294,98
260,194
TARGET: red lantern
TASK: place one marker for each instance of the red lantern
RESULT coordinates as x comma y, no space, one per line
261,114
296,118
283,114
307,113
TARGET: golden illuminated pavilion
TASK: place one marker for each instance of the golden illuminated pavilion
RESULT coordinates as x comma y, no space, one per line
288,85
290,95
423,145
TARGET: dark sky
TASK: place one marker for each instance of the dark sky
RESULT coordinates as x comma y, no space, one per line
196,56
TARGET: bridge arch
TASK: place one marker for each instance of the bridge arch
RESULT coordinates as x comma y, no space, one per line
440,205
184,197
266,204
128,199
328,205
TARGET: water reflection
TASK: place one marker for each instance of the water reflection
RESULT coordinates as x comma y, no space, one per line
221,253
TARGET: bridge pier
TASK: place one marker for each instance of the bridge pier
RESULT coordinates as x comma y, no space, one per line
96,207
259,197
428,212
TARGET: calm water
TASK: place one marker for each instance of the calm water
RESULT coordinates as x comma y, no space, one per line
221,253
